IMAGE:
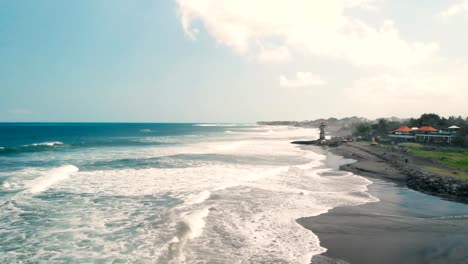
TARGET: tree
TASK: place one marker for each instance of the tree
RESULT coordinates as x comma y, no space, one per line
429,120
362,129
460,141
413,122
380,127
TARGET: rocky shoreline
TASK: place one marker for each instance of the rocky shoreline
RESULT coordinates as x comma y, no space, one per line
397,165
438,185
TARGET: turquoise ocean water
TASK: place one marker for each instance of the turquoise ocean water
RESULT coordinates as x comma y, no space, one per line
162,193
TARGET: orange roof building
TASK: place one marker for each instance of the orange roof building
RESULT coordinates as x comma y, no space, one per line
403,129
427,129
424,134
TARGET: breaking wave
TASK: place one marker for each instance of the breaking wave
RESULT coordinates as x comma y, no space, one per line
57,145
51,178
35,147
198,200
222,125
49,144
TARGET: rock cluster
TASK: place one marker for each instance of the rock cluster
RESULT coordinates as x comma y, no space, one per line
431,183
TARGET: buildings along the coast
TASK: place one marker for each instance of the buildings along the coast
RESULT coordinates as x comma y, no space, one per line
424,134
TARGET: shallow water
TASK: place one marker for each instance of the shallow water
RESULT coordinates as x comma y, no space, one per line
163,193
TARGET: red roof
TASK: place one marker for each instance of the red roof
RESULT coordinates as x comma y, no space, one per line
427,129
403,129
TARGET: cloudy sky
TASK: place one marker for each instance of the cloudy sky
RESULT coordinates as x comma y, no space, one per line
231,60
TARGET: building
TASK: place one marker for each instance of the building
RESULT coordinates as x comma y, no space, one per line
453,129
424,134
428,134
402,134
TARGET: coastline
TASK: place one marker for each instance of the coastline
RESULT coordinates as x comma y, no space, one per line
405,226
397,164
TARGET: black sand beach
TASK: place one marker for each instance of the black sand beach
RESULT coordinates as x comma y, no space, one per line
406,226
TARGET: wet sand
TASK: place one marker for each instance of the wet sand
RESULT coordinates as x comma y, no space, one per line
404,227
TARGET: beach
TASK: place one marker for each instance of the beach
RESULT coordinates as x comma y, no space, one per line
405,226
210,193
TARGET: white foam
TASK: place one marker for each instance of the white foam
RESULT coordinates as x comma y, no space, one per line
199,198
50,144
183,182
206,125
6,185
255,204
239,209
262,215
252,144
51,178
191,226
195,222
221,125
170,139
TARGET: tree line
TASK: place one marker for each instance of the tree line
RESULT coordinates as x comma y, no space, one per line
382,126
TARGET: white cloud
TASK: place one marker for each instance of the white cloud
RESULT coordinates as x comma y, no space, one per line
412,93
303,79
305,27
366,4
274,55
455,9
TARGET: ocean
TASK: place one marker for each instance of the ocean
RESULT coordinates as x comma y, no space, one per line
163,193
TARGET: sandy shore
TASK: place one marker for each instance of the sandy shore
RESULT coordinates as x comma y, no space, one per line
397,164
371,161
404,227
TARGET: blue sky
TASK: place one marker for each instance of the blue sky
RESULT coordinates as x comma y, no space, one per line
230,61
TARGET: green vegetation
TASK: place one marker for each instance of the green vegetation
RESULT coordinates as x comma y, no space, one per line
454,158
365,129
447,172
379,128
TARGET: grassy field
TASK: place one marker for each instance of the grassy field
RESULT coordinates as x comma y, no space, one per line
446,172
451,157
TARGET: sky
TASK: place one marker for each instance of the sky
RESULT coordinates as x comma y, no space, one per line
231,60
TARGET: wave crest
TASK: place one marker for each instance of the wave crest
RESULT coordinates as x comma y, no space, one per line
51,178
49,144
35,147
221,125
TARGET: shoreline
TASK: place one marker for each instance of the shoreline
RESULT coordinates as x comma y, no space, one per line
405,226
398,165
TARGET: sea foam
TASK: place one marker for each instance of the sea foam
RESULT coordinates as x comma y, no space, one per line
222,125
246,210
51,178
49,144
6,185
221,203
